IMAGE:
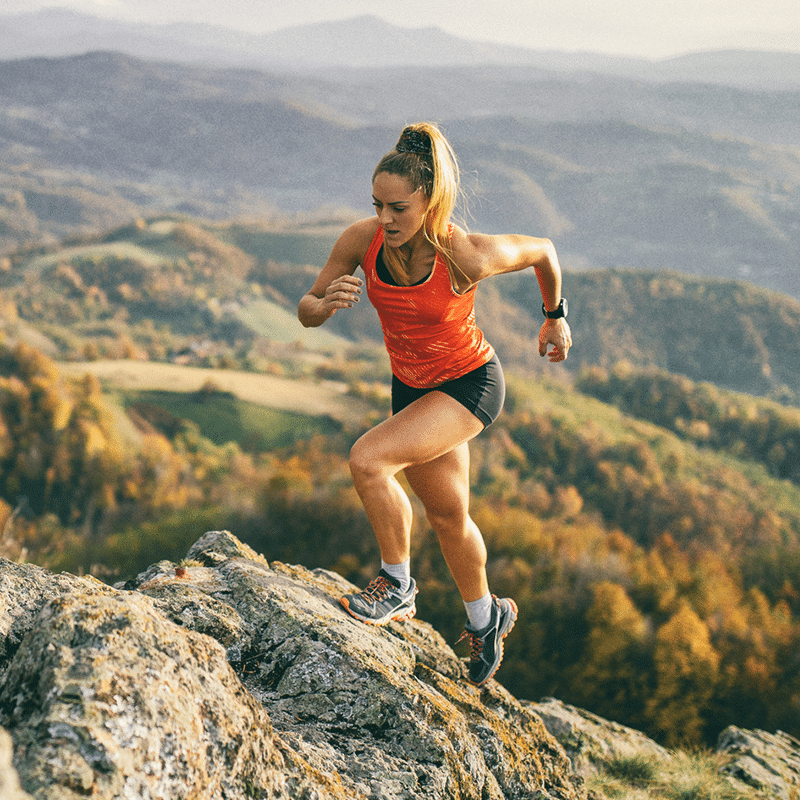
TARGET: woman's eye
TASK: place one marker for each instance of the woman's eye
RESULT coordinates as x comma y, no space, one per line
395,209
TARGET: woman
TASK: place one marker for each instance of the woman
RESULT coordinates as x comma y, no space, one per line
421,272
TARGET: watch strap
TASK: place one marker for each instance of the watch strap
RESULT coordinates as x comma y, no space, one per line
557,313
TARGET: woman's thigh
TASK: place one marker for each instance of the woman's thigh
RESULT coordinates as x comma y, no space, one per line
430,427
443,484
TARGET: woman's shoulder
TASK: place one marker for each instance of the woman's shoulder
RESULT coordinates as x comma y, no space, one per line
361,232
354,241
471,250
481,255
470,243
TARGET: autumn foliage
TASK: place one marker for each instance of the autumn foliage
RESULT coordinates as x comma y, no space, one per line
647,527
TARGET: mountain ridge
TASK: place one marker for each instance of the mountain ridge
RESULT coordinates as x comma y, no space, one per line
705,180
352,43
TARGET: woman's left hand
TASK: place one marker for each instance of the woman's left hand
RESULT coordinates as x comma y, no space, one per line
555,332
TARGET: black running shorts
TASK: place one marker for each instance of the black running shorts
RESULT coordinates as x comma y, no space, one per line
481,391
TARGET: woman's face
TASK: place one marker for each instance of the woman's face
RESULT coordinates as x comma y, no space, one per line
400,209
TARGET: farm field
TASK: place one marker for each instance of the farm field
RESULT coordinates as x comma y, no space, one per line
325,398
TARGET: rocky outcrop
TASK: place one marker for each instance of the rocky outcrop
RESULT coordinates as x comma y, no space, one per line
767,762
591,742
230,677
755,763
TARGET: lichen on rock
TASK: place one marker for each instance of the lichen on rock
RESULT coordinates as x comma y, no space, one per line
228,676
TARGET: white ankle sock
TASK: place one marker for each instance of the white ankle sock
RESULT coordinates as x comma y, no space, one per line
402,572
479,612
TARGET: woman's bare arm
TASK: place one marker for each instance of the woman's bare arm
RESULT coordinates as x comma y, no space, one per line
336,286
480,256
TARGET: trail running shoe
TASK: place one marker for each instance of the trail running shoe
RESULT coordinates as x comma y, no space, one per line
382,601
486,646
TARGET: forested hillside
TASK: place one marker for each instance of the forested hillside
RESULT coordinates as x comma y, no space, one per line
656,574
645,519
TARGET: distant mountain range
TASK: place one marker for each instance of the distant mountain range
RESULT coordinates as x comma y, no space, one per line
626,172
619,173
370,42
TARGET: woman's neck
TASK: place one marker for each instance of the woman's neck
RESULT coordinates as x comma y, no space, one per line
415,258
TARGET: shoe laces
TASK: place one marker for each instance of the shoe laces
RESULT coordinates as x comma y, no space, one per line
377,589
475,644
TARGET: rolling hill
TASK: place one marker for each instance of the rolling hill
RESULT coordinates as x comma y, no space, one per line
619,173
225,296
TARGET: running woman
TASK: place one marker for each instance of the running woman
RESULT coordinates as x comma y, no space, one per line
420,273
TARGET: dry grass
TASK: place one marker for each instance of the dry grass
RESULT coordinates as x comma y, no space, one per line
299,396
688,776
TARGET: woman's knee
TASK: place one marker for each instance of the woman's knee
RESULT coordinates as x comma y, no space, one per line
359,461
365,463
449,521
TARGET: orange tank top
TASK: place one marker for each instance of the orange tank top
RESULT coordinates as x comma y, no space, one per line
429,329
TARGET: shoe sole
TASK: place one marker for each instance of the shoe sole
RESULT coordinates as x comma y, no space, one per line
507,628
408,614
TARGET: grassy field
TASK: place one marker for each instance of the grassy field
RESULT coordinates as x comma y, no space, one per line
118,250
277,324
294,247
224,418
301,397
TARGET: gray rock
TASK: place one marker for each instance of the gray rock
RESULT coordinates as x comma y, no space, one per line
106,697
231,677
764,761
590,741
24,589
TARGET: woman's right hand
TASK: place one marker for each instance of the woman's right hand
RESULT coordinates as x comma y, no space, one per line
337,286
342,293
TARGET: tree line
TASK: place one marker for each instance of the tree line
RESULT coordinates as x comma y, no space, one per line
656,569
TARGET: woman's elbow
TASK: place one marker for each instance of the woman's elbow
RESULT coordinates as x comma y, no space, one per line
303,313
548,258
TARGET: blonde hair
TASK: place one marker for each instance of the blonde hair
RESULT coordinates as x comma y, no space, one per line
424,157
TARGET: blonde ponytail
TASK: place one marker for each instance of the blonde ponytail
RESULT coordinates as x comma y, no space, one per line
424,157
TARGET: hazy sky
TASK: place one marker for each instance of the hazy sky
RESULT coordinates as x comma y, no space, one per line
655,28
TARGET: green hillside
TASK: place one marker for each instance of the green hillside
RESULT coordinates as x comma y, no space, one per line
226,295
277,324
164,289
224,418
729,333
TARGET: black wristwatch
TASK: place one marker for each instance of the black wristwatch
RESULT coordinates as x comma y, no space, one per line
557,313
